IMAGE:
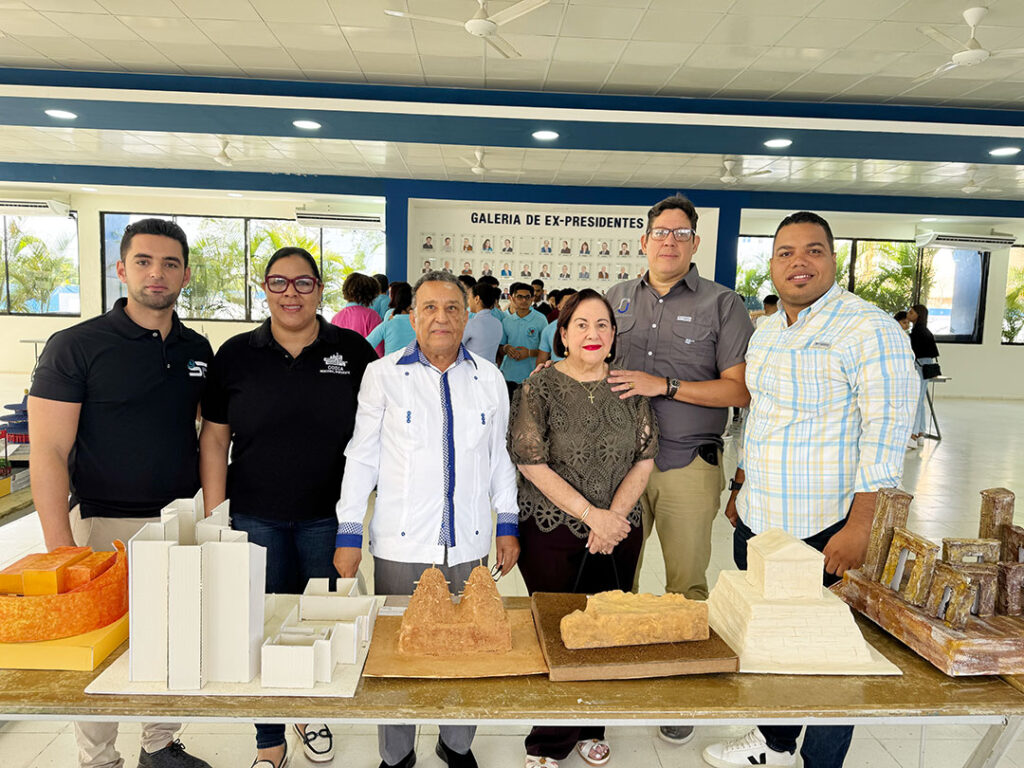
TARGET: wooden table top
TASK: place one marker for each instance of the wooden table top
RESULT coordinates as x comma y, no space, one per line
922,692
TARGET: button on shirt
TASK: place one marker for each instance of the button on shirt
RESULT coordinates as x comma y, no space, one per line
832,402
693,333
435,440
135,449
521,332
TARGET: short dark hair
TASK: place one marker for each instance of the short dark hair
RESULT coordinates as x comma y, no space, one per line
382,281
536,282
292,250
520,287
770,300
467,280
808,217
566,313
154,226
401,297
359,288
554,295
489,280
488,294
901,315
678,202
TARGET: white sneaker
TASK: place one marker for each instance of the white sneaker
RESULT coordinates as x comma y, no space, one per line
911,445
745,751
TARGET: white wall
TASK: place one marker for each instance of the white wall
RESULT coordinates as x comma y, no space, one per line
987,370
17,357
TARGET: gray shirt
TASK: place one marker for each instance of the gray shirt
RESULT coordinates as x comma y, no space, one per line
483,335
693,333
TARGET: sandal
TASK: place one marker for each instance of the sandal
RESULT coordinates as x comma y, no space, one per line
535,761
594,751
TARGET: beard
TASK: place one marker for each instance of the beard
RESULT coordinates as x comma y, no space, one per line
153,300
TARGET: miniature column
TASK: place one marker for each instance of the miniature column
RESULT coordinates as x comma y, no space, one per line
891,509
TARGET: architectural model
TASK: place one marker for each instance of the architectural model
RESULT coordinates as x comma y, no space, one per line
621,618
960,605
779,619
196,608
435,626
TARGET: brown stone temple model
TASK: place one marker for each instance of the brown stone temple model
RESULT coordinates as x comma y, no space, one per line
959,607
435,626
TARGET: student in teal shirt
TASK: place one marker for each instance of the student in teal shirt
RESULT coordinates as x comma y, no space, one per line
396,331
521,338
382,302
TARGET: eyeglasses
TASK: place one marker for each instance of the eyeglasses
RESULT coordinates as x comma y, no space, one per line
522,296
280,283
682,235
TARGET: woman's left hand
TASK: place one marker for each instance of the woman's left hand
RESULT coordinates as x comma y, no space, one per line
598,546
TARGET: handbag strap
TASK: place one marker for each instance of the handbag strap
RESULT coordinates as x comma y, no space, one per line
583,563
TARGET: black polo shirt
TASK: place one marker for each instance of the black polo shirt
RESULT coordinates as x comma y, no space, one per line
290,419
136,447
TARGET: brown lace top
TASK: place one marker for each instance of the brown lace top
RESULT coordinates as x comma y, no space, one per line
591,445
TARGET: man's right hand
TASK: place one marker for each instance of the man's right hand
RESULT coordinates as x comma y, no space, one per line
730,509
346,561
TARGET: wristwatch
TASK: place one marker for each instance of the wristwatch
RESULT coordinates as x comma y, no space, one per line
734,485
672,386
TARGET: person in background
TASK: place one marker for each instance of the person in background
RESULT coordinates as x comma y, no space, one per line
553,297
771,306
484,330
383,300
260,380
584,456
360,291
538,297
467,280
112,423
904,321
521,338
547,337
395,332
925,351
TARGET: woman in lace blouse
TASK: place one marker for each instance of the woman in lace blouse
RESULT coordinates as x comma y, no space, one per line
584,456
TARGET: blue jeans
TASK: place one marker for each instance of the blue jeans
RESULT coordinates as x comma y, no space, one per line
825,746
296,553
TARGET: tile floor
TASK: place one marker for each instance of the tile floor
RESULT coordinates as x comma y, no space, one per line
983,448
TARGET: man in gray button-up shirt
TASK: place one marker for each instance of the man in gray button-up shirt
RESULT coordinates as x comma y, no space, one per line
681,341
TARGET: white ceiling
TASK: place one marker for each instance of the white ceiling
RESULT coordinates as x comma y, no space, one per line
814,50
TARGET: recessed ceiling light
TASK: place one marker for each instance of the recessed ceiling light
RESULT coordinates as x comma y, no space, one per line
61,114
778,143
929,218
1004,151
545,135
88,189
234,194
306,125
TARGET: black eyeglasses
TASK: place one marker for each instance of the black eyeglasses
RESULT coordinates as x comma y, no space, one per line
280,283
522,296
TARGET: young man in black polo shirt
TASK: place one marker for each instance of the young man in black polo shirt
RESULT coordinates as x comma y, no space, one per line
112,421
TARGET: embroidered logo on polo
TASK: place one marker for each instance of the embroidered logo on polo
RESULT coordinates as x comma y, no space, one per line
623,306
196,369
335,364
531,332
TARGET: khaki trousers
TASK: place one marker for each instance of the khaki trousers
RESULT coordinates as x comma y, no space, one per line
96,740
682,504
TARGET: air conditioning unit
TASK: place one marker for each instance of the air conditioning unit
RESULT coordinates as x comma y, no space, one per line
324,217
994,241
34,207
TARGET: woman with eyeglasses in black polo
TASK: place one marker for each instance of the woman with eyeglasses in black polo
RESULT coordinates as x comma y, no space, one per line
283,397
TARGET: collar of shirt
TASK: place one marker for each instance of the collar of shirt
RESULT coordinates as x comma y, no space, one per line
691,280
413,354
822,301
128,328
264,337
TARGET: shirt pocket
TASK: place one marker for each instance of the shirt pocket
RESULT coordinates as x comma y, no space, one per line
693,346
625,337
802,381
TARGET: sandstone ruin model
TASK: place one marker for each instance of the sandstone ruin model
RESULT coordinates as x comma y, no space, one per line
779,619
621,618
435,626
959,606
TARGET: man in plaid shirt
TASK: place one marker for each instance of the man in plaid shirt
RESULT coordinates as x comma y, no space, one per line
832,397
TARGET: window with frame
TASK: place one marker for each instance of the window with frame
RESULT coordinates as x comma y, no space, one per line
40,265
1013,307
227,256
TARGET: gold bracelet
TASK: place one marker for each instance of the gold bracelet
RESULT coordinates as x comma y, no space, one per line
584,513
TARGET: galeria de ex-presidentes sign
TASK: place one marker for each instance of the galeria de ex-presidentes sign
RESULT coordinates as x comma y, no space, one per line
556,220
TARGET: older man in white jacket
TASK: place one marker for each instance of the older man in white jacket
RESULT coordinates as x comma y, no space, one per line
430,435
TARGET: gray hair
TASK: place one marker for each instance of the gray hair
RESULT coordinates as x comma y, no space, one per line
438,276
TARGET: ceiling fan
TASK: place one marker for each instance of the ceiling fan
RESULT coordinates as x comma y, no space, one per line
966,54
728,177
479,168
972,186
224,157
482,24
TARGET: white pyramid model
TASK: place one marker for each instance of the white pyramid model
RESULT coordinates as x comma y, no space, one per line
779,619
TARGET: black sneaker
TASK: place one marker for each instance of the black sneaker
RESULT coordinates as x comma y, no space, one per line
676,734
406,762
171,756
452,758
